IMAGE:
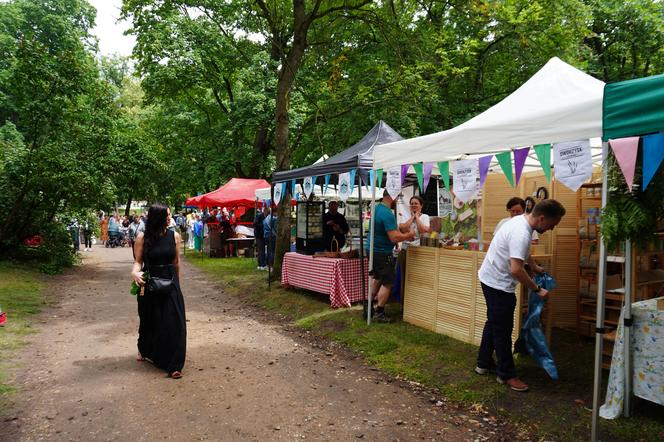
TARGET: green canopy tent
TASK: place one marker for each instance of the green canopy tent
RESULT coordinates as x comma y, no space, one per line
630,108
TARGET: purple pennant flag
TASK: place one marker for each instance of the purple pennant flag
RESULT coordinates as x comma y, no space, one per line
404,171
428,167
484,168
520,156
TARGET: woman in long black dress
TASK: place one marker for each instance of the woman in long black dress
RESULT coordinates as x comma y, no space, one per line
162,333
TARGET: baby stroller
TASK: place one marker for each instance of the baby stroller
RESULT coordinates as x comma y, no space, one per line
115,239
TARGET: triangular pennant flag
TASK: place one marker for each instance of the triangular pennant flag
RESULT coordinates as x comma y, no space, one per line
625,150
653,154
505,161
419,171
379,178
293,188
428,167
444,169
279,189
404,171
520,156
352,181
543,152
327,183
372,180
308,186
484,168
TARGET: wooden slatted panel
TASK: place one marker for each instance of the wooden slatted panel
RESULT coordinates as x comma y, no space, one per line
456,288
496,192
421,289
530,183
565,260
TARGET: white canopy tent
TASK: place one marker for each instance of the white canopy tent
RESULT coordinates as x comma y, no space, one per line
558,103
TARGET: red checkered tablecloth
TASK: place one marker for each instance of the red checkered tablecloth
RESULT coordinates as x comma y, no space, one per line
340,278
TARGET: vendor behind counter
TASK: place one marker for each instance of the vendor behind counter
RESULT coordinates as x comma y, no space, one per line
419,223
334,226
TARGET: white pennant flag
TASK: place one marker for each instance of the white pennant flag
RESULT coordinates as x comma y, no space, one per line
344,186
278,191
393,181
464,184
308,186
573,163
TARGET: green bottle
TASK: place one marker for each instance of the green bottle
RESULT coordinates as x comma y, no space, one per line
135,288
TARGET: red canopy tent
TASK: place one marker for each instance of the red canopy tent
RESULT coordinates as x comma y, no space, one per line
238,192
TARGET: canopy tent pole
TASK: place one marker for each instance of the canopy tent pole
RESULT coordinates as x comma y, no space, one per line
269,241
371,247
627,330
601,286
359,190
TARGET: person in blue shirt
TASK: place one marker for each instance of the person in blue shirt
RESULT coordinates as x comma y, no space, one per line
198,233
270,236
386,235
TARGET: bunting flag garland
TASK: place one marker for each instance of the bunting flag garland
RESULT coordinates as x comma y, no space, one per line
520,156
543,152
344,186
393,181
352,181
327,183
419,171
573,162
484,168
308,186
653,154
625,150
465,179
505,161
379,178
444,169
428,167
404,172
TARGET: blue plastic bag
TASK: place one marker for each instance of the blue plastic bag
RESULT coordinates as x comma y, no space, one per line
532,337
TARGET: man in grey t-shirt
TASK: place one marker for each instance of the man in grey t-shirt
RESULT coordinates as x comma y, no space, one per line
503,267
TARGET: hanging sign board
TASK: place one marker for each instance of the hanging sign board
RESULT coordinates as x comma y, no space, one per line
344,186
393,183
573,163
464,184
444,202
308,186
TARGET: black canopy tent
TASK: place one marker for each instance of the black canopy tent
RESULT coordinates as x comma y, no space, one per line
359,156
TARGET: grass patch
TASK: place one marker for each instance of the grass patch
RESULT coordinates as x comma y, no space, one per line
20,297
551,411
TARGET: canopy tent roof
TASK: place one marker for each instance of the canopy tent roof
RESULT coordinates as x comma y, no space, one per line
633,107
558,103
235,193
359,155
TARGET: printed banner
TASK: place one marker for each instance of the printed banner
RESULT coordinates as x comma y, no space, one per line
464,185
307,186
393,182
428,167
484,168
625,151
520,156
653,154
344,186
444,202
279,189
573,163
543,152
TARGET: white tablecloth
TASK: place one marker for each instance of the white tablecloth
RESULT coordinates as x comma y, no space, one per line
648,359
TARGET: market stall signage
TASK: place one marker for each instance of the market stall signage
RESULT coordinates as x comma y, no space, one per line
308,186
444,203
279,189
344,186
573,162
465,179
393,183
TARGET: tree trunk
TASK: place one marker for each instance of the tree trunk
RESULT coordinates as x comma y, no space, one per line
128,207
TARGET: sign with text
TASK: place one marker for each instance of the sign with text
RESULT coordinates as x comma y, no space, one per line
464,184
573,163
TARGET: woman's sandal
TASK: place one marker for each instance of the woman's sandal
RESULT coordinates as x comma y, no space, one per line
175,374
140,358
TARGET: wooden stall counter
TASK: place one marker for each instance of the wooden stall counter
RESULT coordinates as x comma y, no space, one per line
444,295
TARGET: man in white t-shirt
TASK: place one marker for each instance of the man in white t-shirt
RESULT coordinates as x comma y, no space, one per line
502,269
515,206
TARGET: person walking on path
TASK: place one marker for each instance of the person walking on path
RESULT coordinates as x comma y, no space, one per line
503,267
162,331
386,236
198,233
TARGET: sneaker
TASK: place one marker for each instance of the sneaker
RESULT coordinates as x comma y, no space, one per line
480,370
381,317
515,384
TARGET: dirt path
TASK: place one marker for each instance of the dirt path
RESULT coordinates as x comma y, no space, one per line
244,379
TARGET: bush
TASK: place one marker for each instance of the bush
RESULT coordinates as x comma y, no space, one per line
55,252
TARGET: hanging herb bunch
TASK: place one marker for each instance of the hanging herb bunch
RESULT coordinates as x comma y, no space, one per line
632,215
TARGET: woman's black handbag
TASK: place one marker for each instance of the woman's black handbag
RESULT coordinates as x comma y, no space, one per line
159,286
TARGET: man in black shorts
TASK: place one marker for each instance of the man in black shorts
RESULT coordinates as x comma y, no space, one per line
386,235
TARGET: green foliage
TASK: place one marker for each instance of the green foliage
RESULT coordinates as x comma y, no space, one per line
632,215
